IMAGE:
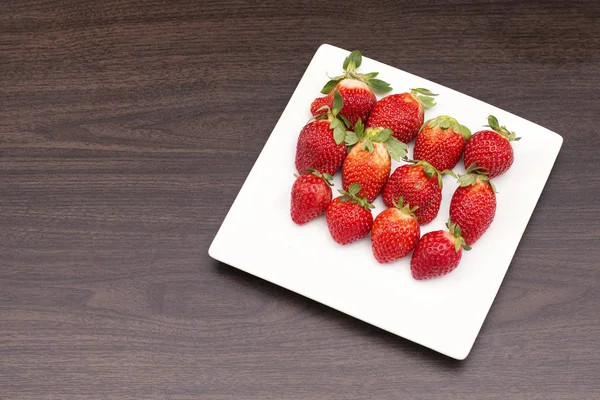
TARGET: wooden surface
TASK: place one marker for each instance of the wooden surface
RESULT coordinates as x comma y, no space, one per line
127,128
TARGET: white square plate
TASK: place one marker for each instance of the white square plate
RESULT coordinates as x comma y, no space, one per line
444,314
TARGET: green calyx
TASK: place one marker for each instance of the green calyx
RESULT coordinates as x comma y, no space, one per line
424,96
473,174
445,122
351,63
431,171
396,149
455,231
352,196
326,177
405,207
493,123
337,122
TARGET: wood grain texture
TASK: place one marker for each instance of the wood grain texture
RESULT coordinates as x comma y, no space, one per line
126,129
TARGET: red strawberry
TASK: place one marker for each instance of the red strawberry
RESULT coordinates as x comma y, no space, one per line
369,162
420,184
311,194
473,204
437,253
402,113
395,233
356,90
491,149
441,142
349,217
321,142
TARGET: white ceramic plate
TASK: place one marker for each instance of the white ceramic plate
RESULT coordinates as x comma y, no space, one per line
444,314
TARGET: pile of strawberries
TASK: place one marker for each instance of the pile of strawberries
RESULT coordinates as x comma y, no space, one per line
354,132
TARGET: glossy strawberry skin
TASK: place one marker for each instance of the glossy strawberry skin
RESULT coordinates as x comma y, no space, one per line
317,149
441,148
491,151
348,221
435,255
310,197
394,235
473,209
412,184
402,113
371,170
358,99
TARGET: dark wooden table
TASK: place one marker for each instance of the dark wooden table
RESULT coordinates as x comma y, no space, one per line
128,127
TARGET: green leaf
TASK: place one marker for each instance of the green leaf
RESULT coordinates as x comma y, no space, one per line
378,85
330,85
383,135
493,122
445,124
424,91
359,129
355,60
370,75
466,247
466,132
457,245
466,180
449,172
429,170
455,126
351,138
345,120
338,103
334,124
368,145
427,102
354,188
339,134
346,62
396,148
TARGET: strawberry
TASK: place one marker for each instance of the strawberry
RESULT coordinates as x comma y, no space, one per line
321,142
473,204
420,184
311,194
395,233
356,90
349,217
491,149
402,113
441,142
369,161
438,253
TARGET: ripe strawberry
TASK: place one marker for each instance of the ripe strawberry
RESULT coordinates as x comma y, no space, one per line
349,217
420,184
311,194
369,162
321,142
437,253
491,149
395,233
441,142
402,113
473,204
356,90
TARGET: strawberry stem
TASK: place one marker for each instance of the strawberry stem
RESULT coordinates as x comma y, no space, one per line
424,96
352,196
495,125
351,63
